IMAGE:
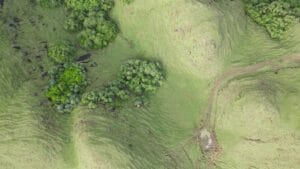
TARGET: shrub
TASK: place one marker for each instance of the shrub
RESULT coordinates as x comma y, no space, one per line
98,32
275,15
50,3
141,76
61,52
137,78
66,86
74,22
87,5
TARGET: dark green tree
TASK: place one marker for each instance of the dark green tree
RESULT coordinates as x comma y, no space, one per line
61,52
136,80
277,16
66,85
87,5
98,31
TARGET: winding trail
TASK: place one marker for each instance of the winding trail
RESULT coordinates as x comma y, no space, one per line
265,66
208,124
276,64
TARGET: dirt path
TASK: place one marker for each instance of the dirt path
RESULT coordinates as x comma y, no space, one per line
222,80
206,135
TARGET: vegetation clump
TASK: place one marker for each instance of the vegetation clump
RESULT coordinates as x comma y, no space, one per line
66,85
277,16
87,5
61,52
136,80
97,31
90,19
141,76
74,22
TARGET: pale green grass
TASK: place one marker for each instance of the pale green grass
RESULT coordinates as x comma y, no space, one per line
257,122
195,42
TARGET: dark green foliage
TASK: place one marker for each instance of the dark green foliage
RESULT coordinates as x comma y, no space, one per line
50,3
61,52
136,79
141,76
87,5
74,22
277,16
110,95
96,29
98,32
66,86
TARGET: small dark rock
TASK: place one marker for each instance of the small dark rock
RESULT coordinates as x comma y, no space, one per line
84,57
17,47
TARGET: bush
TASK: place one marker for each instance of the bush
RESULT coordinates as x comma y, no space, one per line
98,32
275,15
110,95
74,22
141,76
61,52
90,19
137,78
66,86
87,5
50,3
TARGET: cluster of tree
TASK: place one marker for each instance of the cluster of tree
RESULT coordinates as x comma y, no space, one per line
137,78
61,52
277,16
66,86
67,79
88,5
92,22
90,19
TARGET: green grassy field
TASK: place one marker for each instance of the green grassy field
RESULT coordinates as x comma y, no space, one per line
257,117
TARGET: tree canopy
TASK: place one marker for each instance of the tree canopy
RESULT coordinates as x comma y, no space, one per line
61,52
137,78
66,85
88,5
97,31
277,16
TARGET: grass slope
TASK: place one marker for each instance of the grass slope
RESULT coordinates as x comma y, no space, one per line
257,121
196,41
